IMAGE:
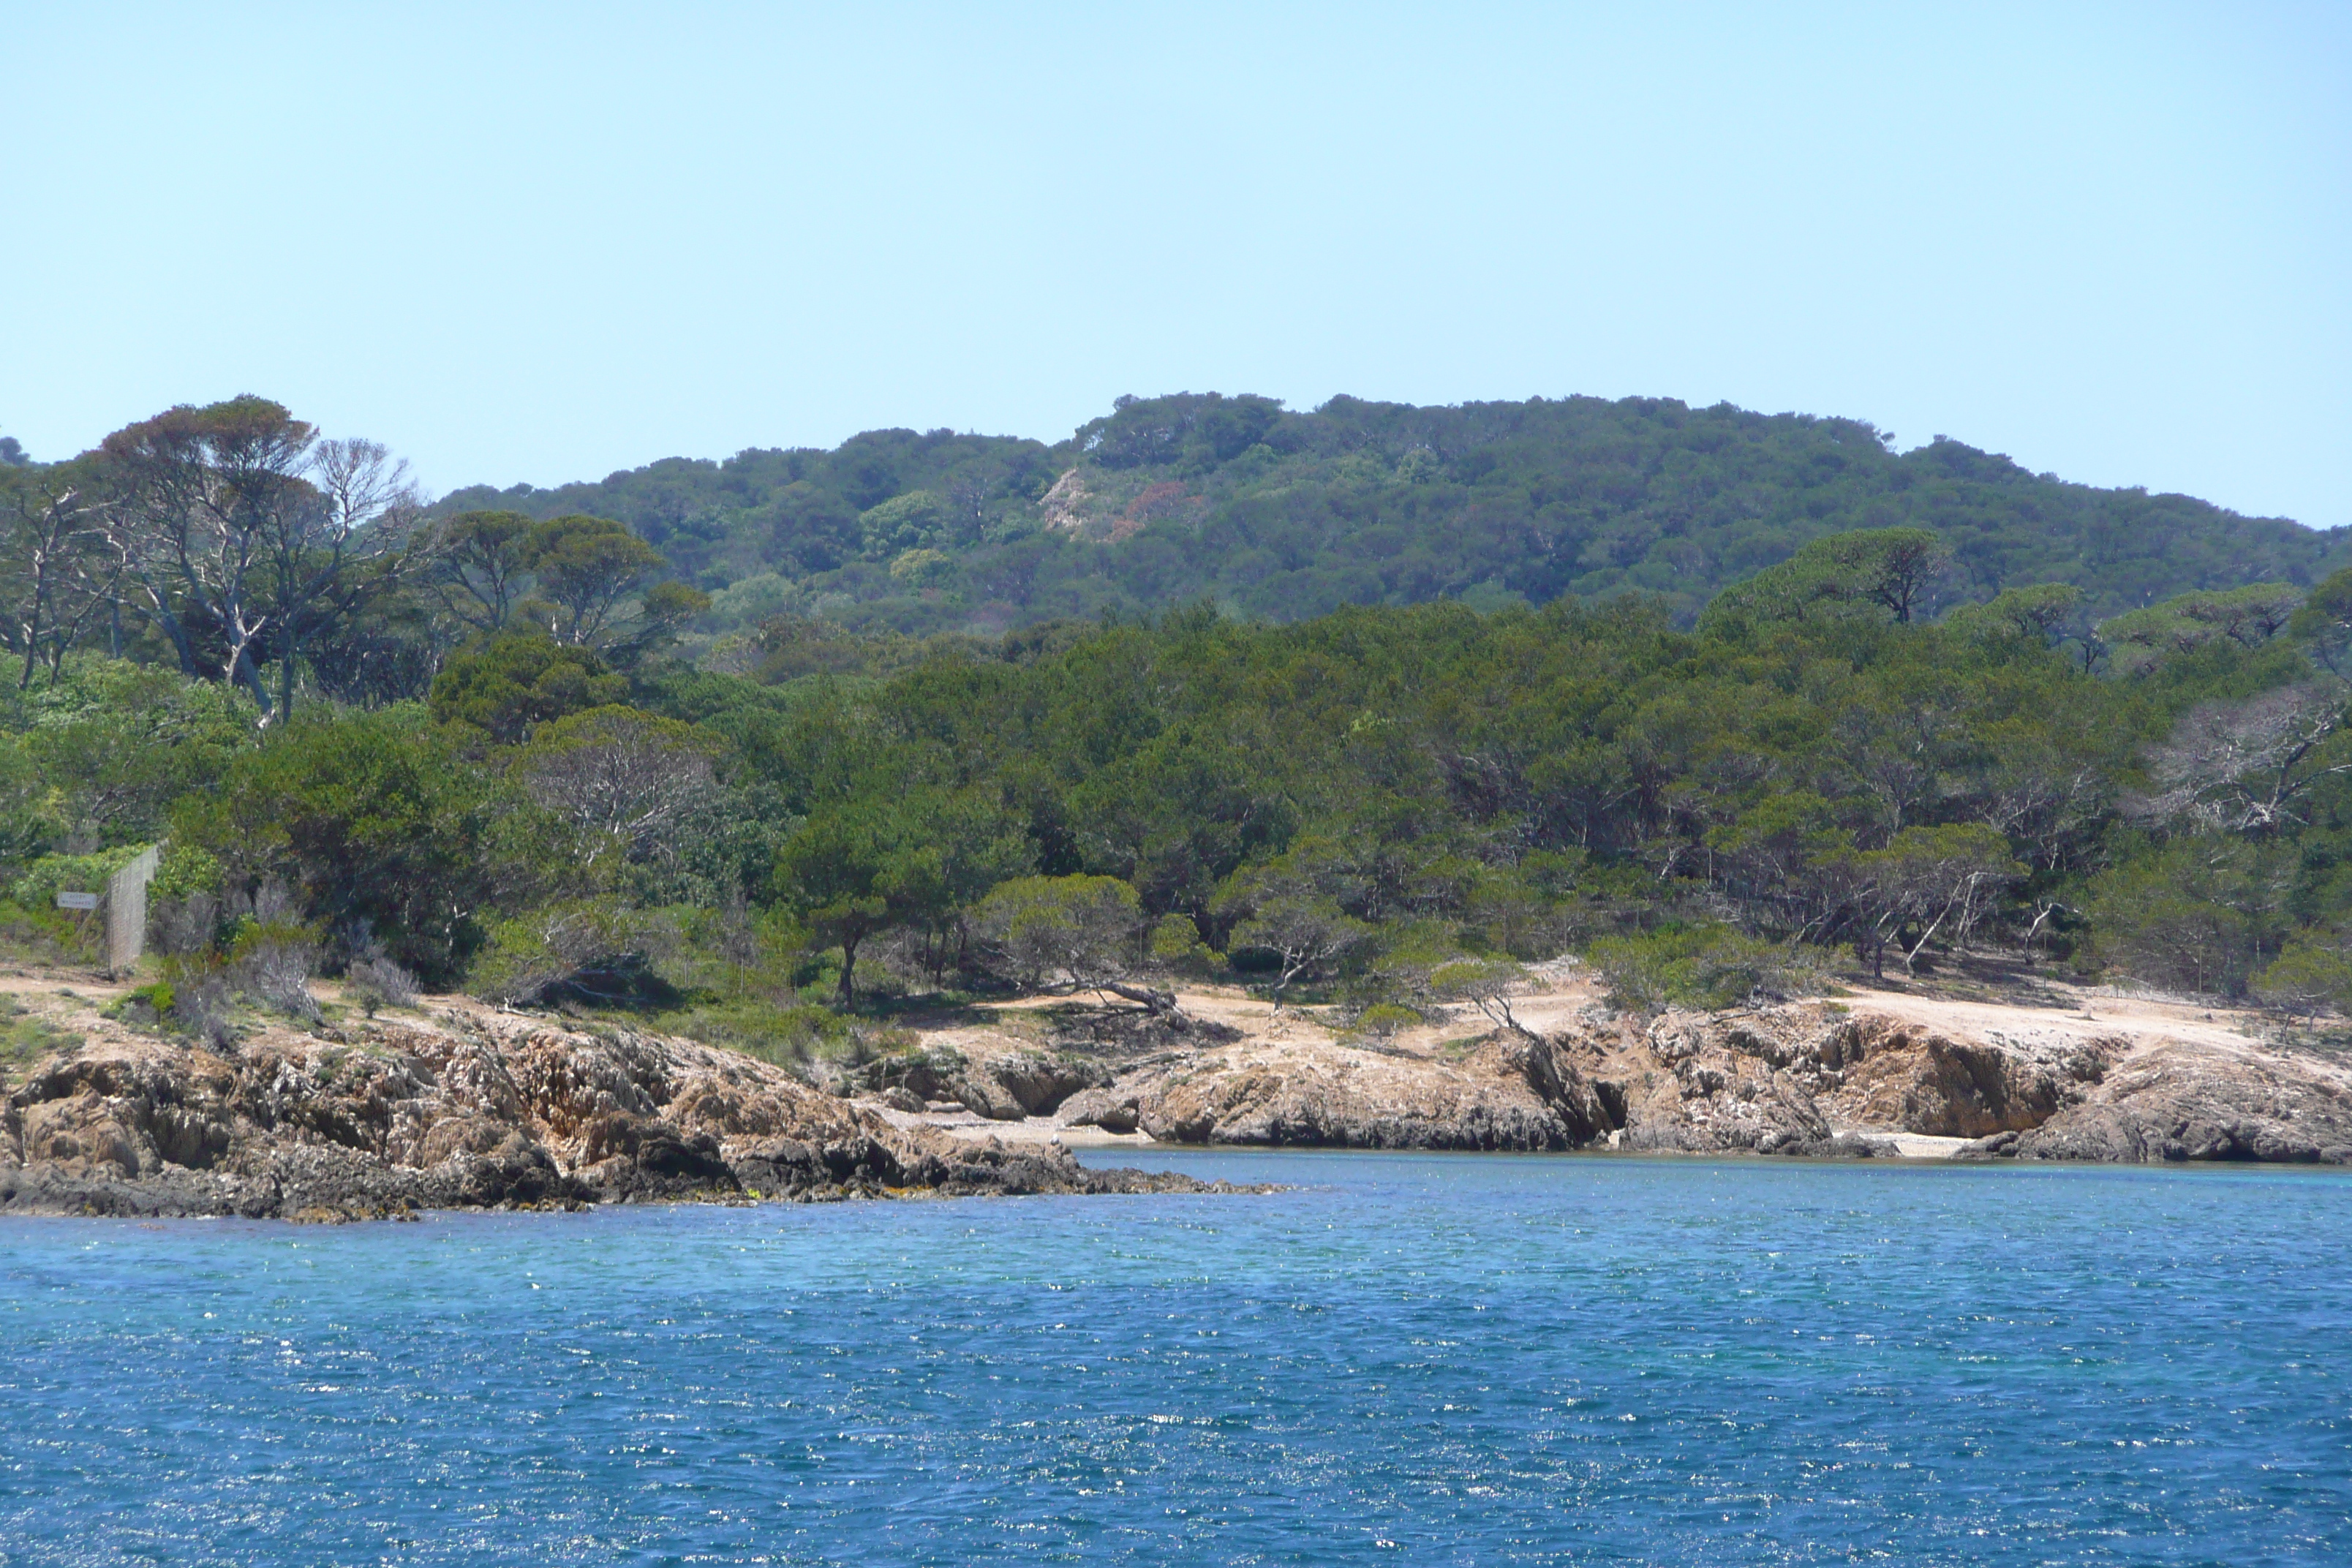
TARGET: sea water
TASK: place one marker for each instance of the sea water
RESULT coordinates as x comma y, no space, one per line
1402,1359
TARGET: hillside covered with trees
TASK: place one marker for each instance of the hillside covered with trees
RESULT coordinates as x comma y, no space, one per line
1278,515
416,745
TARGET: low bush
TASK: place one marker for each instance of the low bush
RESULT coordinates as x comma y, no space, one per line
2309,975
1383,1021
272,961
597,950
379,982
1177,948
1698,966
787,1033
26,1038
193,999
45,879
41,936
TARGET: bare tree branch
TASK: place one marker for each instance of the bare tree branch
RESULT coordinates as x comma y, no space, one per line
2246,767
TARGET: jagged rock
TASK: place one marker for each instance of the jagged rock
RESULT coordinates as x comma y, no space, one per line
1340,1095
473,1110
2182,1102
1583,1113
1998,1145
1802,1079
1107,1109
1880,1072
1010,1087
1716,1085
923,1076
982,1095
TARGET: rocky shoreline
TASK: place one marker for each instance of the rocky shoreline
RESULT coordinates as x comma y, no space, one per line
1816,1079
463,1107
468,1109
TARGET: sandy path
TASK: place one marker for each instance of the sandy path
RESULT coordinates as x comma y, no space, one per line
2141,1020
1029,1130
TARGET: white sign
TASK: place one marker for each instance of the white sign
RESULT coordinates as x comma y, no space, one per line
76,900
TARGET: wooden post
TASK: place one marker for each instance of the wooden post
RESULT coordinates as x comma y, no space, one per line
126,912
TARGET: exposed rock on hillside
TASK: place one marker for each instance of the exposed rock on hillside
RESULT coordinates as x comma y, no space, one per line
1024,1083
2179,1101
471,1109
1790,1078
1811,1078
1517,1096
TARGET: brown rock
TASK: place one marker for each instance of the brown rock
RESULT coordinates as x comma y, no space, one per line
2176,1100
1105,1108
1010,1086
475,1109
1883,1073
1318,1094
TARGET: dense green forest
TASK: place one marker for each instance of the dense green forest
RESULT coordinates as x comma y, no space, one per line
1278,515
417,745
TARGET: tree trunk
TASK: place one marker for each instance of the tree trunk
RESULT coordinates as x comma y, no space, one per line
244,672
848,968
1158,1001
1911,955
1283,984
286,677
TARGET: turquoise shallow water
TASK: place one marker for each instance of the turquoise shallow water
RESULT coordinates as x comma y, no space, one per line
1406,1360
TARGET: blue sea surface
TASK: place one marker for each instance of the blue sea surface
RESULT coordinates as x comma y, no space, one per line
1403,1359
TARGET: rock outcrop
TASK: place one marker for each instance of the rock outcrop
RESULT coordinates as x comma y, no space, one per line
467,1107
1024,1083
1310,1093
1807,1079
467,1110
1791,1079
2178,1101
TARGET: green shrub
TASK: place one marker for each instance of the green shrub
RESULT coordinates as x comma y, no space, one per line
155,998
786,1033
115,743
1050,929
374,819
41,936
45,879
1384,1020
26,1038
592,949
510,684
1706,966
2309,975
184,870
30,824
1177,947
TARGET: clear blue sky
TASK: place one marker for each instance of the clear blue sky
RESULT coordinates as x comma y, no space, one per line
544,244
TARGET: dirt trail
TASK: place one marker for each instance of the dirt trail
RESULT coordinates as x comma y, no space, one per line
2086,1015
